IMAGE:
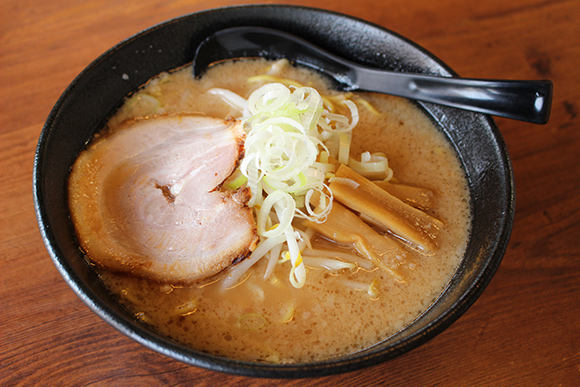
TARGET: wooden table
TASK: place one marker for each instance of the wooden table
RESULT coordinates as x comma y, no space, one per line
524,330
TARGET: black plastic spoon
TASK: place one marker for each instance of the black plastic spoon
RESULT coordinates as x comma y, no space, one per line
521,100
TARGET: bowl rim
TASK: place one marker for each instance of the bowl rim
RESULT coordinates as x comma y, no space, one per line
181,353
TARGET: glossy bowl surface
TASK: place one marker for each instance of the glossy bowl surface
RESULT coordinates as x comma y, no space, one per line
98,91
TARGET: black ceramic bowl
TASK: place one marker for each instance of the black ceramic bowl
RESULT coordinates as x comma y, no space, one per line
101,87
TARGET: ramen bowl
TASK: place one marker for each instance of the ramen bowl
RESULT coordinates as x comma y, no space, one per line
100,89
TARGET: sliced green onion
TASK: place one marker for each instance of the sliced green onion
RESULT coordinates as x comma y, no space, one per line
143,103
251,321
236,182
268,98
365,157
375,165
286,163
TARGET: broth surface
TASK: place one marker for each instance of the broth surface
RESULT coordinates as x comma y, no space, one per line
271,321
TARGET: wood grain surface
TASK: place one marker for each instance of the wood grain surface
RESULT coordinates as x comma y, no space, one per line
523,331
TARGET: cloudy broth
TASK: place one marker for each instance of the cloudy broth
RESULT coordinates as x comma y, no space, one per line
333,314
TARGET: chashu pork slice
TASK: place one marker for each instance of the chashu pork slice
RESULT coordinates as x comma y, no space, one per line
147,200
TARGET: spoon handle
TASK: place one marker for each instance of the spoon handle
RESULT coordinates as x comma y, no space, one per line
521,100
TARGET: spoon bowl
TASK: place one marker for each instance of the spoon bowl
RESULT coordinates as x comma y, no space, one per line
521,100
